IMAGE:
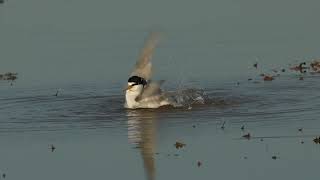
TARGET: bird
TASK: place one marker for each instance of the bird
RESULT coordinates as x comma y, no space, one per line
141,91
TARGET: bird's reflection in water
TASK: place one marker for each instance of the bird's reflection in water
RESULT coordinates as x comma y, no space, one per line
142,132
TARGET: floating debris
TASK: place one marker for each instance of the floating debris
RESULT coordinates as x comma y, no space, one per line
194,126
274,157
283,70
247,136
242,128
199,163
245,157
301,68
222,127
4,175
52,147
300,129
262,75
250,79
9,76
315,66
179,145
57,93
1,1
316,140
301,78
176,155
268,78
302,142
255,65
261,139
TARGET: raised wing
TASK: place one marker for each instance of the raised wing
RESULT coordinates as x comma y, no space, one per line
143,67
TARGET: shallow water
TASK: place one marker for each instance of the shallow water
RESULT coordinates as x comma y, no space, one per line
95,137
87,49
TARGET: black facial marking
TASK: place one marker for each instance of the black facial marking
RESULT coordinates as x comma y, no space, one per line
137,80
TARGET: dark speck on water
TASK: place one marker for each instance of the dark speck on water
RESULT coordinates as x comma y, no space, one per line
222,127
179,145
316,140
199,163
52,147
247,136
275,157
242,127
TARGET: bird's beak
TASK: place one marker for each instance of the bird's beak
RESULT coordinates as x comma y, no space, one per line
128,88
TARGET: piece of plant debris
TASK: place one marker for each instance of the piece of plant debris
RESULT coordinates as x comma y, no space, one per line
316,140
300,129
199,163
179,145
268,78
255,65
247,136
4,175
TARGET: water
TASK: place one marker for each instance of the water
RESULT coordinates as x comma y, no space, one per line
87,50
95,137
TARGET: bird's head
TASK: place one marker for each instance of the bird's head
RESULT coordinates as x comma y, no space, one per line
135,85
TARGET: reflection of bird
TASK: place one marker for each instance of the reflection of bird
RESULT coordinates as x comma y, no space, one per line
141,91
142,132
